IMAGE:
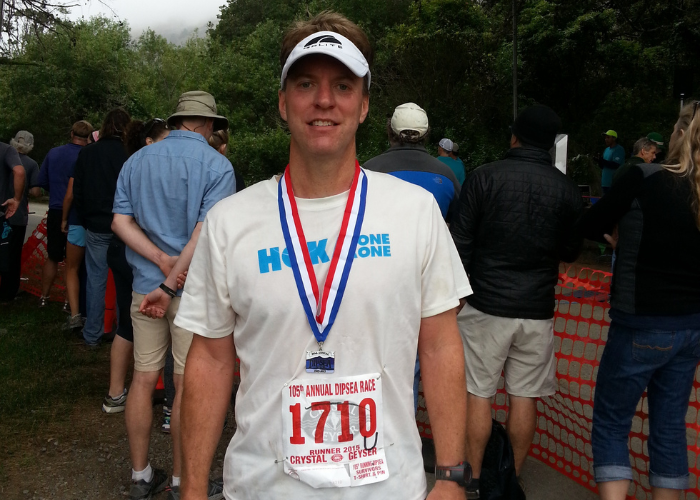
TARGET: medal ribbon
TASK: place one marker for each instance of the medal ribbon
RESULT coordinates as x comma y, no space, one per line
321,315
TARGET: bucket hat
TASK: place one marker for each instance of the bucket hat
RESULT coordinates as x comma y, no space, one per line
198,103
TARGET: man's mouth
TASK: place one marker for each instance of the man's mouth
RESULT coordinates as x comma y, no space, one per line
322,123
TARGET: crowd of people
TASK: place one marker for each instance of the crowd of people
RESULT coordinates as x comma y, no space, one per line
422,274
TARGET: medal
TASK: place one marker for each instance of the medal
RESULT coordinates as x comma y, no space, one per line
321,313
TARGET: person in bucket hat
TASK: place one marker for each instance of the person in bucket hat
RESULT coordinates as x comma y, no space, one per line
197,103
387,283
163,195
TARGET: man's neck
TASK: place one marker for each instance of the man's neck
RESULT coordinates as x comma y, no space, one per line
320,177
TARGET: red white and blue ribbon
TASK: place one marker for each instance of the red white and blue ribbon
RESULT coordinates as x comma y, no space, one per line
321,313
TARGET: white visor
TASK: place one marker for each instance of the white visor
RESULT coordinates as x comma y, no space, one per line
331,44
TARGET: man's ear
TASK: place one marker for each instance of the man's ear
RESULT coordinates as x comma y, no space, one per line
282,104
365,107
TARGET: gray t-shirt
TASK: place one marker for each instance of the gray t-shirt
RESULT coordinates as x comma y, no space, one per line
31,169
9,158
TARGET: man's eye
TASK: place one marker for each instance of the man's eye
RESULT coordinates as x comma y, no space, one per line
343,87
305,85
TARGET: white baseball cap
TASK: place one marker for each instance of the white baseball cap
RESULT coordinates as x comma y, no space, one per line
445,144
409,116
331,44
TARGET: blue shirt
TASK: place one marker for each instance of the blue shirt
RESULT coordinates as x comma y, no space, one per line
55,171
168,188
412,163
456,166
617,155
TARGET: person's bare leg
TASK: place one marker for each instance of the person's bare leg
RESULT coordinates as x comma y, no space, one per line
478,430
74,258
614,490
139,416
48,274
120,358
175,425
665,494
521,425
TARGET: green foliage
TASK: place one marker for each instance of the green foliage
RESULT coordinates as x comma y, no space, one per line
600,64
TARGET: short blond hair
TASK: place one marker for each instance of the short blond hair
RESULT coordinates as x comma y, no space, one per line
326,21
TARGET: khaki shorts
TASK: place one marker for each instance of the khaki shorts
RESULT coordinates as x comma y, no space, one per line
152,338
522,348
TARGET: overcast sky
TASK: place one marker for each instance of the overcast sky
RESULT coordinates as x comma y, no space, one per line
174,19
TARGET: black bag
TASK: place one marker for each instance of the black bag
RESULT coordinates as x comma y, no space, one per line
498,480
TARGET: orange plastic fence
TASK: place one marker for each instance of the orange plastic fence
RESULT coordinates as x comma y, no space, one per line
34,254
563,436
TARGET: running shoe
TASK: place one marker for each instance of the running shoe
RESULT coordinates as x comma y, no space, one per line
75,322
43,301
144,490
114,405
166,419
215,491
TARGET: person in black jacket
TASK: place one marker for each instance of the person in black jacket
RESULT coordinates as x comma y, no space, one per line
514,225
95,181
654,337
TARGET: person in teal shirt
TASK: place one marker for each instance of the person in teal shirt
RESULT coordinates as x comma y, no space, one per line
613,158
444,149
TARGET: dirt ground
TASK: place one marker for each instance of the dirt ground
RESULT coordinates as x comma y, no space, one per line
88,459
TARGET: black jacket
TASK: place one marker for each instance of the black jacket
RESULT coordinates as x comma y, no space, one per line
515,224
95,181
657,268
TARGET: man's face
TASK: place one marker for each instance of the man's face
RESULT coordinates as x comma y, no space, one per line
648,155
323,104
609,141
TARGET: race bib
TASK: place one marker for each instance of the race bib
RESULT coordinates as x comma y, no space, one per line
333,431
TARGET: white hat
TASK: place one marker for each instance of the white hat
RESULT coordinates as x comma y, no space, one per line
409,116
331,44
445,144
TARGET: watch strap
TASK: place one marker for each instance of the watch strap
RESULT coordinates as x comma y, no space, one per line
168,290
460,473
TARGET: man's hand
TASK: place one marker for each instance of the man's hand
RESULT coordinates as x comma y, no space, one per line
612,238
166,264
446,490
11,206
181,280
155,304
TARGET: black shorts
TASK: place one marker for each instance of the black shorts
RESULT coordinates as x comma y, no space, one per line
56,239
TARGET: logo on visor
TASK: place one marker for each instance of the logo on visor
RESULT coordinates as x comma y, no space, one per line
323,39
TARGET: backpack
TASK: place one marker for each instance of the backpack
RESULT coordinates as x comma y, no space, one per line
498,480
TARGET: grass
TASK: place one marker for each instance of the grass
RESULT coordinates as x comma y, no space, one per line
45,374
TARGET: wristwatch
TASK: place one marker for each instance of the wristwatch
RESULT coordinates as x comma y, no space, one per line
460,473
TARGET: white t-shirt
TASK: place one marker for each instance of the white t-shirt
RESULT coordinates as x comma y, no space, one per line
407,268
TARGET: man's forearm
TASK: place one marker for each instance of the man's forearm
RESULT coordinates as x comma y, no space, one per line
205,400
183,262
19,181
133,236
68,200
444,386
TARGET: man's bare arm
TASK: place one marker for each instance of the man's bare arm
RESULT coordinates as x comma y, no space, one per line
442,371
12,204
205,399
67,202
128,230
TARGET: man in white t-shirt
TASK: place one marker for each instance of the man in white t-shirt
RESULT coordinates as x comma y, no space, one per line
330,278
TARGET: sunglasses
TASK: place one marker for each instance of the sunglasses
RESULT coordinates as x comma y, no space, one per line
153,124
